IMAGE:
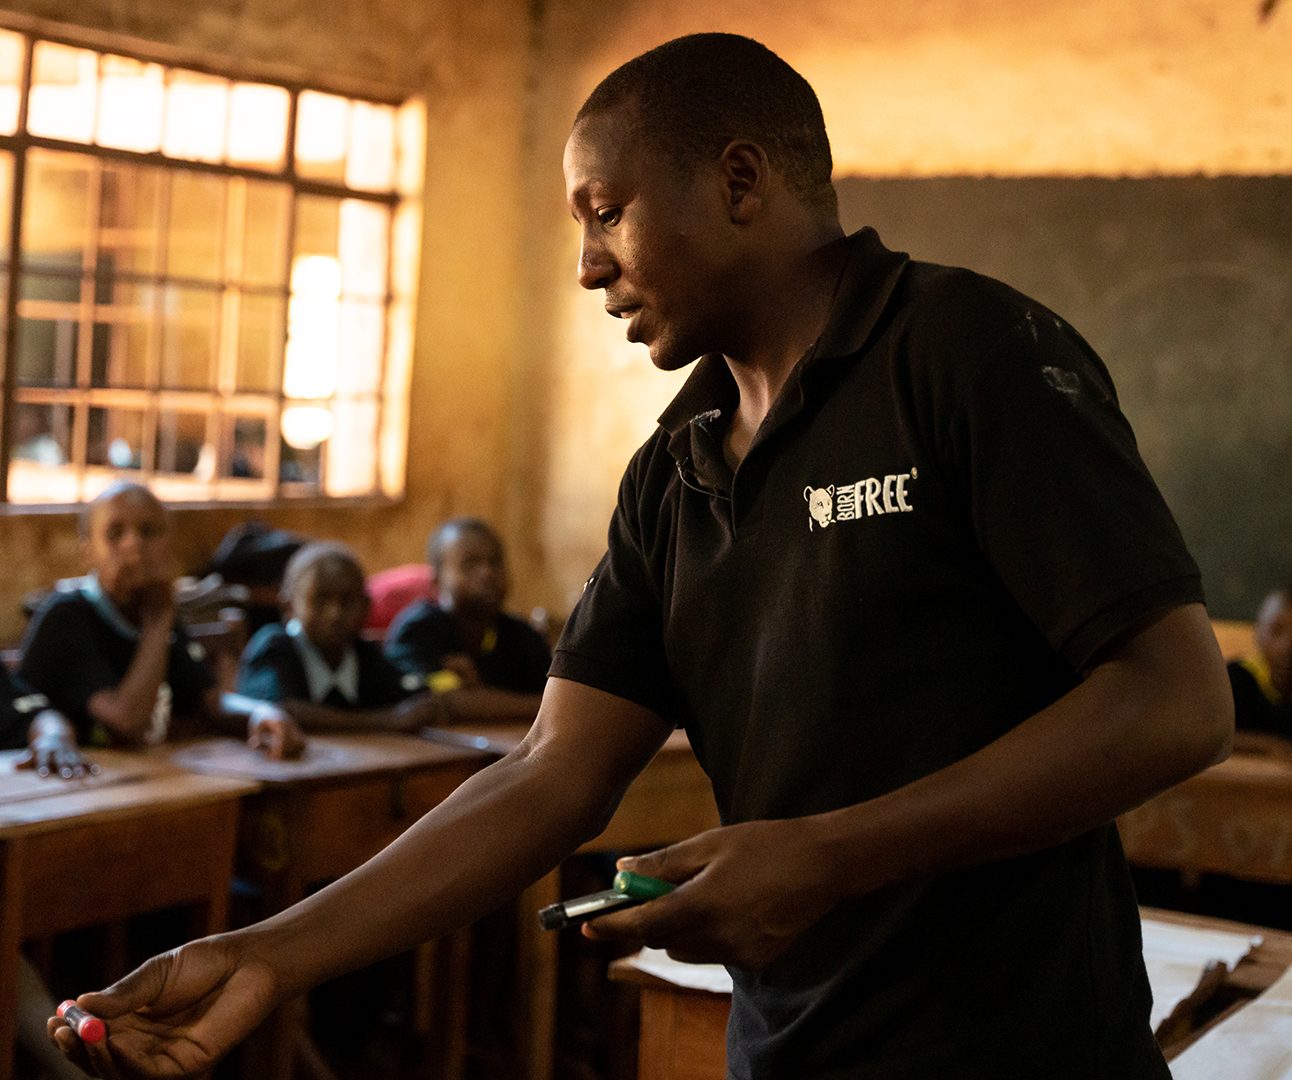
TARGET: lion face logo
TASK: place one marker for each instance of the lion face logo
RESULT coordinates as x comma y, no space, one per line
820,506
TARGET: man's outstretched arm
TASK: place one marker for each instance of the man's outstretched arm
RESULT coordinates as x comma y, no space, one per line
502,829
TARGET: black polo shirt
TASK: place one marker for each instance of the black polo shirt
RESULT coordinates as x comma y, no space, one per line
71,651
942,520
273,669
515,658
1258,707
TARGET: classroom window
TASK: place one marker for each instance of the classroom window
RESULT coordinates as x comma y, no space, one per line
207,281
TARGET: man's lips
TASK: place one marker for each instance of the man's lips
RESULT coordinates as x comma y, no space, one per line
623,311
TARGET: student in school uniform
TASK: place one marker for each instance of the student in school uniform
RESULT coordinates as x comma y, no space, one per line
483,662
28,723
317,666
1262,682
110,654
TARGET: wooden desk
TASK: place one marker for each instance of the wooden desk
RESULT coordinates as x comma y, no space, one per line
1235,818
142,835
669,801
320,816
683,1031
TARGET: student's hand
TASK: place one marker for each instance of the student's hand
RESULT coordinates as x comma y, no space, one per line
414,713
155,603
175,1016
463,667
745,892
52,750
270,729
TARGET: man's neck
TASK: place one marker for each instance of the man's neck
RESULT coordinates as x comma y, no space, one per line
794,309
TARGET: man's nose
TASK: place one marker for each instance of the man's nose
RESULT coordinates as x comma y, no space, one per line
596,268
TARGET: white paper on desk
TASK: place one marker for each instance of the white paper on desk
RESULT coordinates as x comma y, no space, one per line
1176,957
710,977
1253,1044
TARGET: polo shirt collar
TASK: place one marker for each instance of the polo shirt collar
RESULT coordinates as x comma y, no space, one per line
870,274
319,674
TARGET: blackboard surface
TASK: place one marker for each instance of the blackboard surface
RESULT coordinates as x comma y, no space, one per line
1184,286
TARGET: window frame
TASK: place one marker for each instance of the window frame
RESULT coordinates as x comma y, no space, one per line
213,399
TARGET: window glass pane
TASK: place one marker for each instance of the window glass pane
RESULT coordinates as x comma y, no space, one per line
318,225
362,331
64,83
264,236
365,233
116,438
124,337
394,416
249,438
411,135
258,125
370,165
322,134
131,95
313,322
189,337
42,434
11,54
194,245
407,236
181,445
352,450
128,214
6,204
260,341
197,117
48,330
300,467
56,209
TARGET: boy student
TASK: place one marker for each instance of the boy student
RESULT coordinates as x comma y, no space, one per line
484,663
110,654
922,704
1262,682
318,667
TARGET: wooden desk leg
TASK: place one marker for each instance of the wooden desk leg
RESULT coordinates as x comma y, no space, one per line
10,940
536,956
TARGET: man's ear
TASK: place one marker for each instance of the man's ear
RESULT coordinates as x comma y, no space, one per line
746,173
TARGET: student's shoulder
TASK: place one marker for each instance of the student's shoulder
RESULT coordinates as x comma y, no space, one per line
63,612
269,641
418,616
515,627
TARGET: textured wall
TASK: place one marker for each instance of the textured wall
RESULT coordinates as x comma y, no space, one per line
526,402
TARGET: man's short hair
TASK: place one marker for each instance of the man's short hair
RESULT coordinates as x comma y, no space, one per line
448,533
696,94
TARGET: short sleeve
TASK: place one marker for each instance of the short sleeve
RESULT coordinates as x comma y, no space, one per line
614,640
270,670
1060,503
62,658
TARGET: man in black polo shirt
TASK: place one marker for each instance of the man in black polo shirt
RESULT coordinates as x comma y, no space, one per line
893,562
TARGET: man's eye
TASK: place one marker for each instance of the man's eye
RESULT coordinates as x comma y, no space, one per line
609,216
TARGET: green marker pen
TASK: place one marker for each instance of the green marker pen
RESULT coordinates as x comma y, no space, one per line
639,886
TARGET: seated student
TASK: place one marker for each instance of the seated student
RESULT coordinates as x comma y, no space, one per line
318,666
1262,682
110,655
27,723
482,662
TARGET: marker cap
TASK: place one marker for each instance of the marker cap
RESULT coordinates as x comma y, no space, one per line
90,1028
641,887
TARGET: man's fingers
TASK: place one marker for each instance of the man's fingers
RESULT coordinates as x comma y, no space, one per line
676,863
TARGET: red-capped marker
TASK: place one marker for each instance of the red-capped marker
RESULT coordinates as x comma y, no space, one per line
89,1028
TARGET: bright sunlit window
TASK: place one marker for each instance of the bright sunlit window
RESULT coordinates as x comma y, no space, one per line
213,283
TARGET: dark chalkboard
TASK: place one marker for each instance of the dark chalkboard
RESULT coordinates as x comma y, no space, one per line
1184,286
